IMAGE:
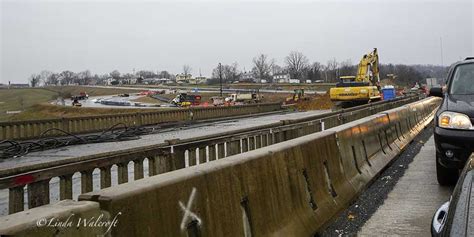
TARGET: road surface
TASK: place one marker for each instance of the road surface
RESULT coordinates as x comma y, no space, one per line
409,207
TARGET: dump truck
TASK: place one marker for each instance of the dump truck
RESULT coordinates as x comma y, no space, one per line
362,88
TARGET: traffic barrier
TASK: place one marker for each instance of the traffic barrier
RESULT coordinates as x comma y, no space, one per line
65,218
290,189
293,188
17,130
162,158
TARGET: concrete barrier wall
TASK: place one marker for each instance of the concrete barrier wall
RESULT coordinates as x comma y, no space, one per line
17,130
157,159
293,188
61,219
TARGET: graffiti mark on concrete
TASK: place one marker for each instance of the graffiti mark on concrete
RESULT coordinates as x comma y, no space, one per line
188,214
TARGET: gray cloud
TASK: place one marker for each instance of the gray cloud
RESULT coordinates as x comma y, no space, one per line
158,35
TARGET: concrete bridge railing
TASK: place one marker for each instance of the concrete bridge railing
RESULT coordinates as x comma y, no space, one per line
18,130
31,186
292,188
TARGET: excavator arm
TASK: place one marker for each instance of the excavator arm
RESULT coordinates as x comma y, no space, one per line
369,63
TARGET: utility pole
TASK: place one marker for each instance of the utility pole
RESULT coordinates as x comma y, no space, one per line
220,77
441,48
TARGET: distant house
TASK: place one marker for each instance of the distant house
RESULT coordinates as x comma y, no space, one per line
201,80
181,78
281,78
294,81
247,77
129,81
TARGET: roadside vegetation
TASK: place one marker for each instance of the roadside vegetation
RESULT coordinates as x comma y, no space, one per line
28,100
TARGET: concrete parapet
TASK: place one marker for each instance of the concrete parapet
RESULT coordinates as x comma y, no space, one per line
66,218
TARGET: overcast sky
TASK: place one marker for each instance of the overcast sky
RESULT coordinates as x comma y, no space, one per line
163,35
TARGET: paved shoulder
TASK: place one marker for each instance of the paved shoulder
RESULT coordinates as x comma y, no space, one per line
410,206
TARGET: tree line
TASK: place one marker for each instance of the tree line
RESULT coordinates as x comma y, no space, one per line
296,65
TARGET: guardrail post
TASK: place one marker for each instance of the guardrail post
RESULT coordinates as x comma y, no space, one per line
202,155
16,199
122,173
251,143
192,157
65,187
212,152
138,169
264,140
234,148
245,144
221,150
258,141
86,181
38,193
105,177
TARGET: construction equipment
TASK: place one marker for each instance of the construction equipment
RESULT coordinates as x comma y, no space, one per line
362,88
184,100
82,96
243,97
298,96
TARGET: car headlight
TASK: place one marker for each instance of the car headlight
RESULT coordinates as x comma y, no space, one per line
454,120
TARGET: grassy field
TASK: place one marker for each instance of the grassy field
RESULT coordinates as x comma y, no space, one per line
26,99
33,102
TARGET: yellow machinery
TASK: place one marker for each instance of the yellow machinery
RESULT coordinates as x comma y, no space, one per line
362,88
297,97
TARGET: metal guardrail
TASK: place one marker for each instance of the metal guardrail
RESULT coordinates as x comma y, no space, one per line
59,176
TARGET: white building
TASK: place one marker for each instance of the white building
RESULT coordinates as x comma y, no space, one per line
281,78
247,77
294,81
181,78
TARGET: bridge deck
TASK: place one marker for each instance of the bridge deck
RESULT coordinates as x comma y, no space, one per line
152,139
412,203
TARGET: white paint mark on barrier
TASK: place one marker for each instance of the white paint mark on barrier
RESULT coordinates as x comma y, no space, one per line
322,126
188,214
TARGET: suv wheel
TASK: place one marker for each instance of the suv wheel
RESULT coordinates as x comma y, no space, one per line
446,176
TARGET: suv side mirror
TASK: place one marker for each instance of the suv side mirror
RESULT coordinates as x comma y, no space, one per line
436,91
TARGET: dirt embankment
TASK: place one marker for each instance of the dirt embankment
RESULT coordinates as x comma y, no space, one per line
318,102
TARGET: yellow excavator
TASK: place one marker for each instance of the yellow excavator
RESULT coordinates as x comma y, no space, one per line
360,89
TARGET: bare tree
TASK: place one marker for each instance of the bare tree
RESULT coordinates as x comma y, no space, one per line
164,74
115,74
66,77
44,75
346,68
53,79
296,63
34,80
83,78
262,66
330,71
187,70
314,71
